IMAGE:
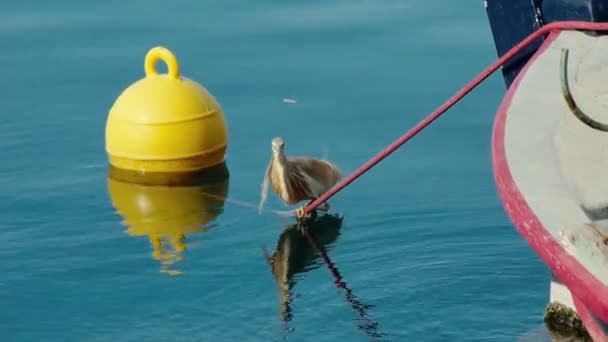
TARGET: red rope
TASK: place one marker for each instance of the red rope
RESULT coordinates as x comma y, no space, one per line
555,26
369,326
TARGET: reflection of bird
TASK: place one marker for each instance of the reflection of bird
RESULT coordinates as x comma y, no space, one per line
294,254
295,179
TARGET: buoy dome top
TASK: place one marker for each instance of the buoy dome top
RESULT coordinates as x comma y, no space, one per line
165,122
163,98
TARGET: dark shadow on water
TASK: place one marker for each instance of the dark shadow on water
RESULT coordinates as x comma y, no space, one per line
303,248
166,215
294,255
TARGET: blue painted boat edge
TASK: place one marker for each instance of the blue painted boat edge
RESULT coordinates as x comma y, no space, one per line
513,20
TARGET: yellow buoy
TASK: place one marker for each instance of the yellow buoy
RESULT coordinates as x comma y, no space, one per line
165,122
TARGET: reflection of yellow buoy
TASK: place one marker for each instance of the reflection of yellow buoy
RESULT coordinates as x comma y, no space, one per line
167,213
165,122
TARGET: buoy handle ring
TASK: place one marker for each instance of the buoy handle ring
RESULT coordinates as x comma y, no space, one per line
161,53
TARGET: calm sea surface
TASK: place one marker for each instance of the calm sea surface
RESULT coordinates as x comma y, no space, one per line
425,250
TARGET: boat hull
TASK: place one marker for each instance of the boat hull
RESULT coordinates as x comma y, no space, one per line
548,168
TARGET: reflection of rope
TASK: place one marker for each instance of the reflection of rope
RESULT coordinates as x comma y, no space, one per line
369,325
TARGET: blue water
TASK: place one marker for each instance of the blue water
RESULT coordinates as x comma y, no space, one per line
425,245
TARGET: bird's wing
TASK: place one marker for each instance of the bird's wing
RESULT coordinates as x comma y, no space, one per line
318,169
264,192
301,184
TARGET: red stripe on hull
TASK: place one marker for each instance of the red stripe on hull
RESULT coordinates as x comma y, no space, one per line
581,283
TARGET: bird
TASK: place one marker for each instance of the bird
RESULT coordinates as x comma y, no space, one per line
295,179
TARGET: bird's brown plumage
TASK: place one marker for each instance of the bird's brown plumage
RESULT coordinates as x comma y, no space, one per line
295,179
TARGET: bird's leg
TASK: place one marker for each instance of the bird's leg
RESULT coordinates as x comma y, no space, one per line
301,214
